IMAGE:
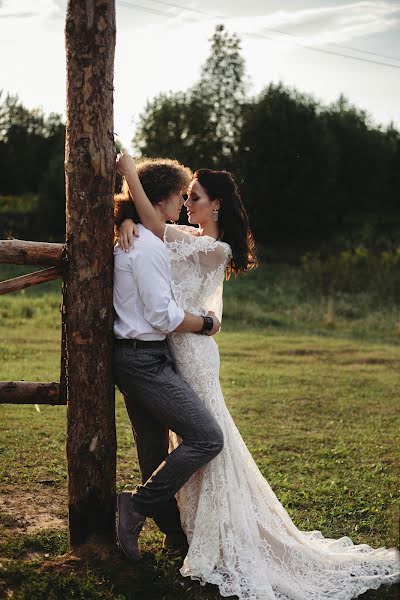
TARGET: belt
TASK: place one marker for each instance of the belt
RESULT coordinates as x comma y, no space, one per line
131,343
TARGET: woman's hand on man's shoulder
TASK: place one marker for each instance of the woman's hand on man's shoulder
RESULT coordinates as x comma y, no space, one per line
127,233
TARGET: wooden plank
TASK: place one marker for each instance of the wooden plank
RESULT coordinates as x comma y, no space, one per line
24,281
29,392
21,252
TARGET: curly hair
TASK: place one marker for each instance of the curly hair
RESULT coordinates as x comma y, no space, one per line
233,221
160,177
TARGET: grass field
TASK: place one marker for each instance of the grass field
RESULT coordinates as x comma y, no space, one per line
312,383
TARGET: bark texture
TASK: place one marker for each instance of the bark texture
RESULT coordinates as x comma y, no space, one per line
20,252
87,293
29,392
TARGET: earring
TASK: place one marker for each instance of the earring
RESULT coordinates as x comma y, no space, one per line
215,214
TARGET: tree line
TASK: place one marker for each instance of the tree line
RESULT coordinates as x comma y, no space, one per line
308,172
32,187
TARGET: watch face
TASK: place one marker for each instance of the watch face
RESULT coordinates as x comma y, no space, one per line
209,323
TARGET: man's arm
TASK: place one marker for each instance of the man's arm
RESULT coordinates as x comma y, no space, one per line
194,324
161,311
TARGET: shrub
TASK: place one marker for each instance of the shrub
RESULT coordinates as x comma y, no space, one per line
354,271
18,215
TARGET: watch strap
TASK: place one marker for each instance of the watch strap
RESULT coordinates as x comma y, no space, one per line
207,325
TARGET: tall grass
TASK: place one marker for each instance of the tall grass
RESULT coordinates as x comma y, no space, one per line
355,271
311,378
350,294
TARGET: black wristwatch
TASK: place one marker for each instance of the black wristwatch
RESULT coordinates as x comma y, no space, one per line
207,325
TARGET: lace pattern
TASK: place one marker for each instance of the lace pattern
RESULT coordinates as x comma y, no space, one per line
198,267
241,538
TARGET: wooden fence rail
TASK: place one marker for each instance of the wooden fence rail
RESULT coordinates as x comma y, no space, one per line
30,392
21,252
31,253
24,281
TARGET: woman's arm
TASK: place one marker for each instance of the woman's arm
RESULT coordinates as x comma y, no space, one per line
125,234
147,213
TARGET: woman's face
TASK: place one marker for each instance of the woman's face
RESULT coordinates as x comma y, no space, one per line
198,204
171,206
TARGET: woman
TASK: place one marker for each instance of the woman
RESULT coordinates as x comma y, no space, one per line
240,537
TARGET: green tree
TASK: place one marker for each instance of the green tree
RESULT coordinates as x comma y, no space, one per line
222,88
32,160
174,125
199,127
392,136
364,157
287,164
51,209
28,141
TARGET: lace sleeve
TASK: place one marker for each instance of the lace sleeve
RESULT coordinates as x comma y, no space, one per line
184,243
197,265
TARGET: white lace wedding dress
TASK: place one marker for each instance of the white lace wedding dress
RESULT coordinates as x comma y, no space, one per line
241,538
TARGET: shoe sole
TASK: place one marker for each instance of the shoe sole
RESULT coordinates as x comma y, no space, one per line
119,541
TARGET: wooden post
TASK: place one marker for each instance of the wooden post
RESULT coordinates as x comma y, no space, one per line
87,293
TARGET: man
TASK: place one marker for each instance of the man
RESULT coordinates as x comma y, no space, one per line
156,397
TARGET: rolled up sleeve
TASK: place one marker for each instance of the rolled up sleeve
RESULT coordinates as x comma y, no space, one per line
153,279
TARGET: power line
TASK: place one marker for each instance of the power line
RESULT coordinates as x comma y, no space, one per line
153,11
186,8
202,12
366,52
330,52
359,58
169,4
293,35
275,31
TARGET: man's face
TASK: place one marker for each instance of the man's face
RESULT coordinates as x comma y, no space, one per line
171,206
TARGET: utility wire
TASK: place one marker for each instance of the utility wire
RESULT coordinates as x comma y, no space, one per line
153,11
330,52
293,35
202,12
187,8
275,31
366,52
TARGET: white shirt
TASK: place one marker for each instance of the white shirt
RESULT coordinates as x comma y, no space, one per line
143,303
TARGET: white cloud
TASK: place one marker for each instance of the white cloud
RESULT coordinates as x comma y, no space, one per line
155,54
23,8
321,25
17,15
347,32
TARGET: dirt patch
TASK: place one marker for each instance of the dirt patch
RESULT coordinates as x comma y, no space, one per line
303,352
335,357
382,361
33,511
386,362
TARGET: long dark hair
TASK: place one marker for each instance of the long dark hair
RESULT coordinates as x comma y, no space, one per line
232,218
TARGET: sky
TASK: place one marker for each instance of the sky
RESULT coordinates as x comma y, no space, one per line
162,44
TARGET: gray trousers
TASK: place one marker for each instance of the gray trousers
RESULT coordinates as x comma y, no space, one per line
158,399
